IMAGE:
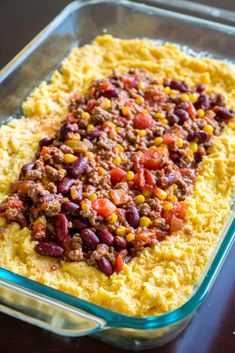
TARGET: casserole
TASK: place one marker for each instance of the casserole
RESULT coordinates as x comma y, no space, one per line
62,317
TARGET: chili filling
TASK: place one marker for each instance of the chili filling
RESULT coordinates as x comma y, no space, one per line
115,177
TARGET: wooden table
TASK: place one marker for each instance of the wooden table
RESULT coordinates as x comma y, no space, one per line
213,328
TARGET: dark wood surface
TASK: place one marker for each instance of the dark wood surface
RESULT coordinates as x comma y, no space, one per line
212,330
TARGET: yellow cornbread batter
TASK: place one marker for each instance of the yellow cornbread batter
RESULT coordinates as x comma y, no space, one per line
160,279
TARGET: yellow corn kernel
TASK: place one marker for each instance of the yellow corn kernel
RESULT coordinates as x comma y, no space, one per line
130,237
106,103
167,206
161,194
40,220
142,133
117,160
111,124
139,100
113,218
193,97
190,156
209,129
173,92
158,141
89,154
69,158
184,97
145,222
180,142
92,196
193,147
101,171
141,85
76,145
130,175
90,127
174,198
139,199
146,193
160,115
167,90
165,122
144,111
120,148
121,230
200,113
175,186
86,116
126,111
85,206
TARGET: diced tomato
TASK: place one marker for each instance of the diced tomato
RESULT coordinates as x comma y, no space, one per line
176,224
119,196
117,175
192,111
22,187
104,207
168,139
154,96
168,215
153,158
144,179
71,118
149,178
44,151
180,209
143,121
131,81
119,263
39,228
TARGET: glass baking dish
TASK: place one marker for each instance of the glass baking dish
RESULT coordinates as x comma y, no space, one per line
75,26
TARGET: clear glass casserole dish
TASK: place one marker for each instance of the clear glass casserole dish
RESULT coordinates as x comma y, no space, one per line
47,307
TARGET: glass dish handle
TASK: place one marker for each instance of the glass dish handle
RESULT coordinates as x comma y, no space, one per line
46,313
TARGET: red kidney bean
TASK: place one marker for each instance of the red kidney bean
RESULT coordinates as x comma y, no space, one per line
173,119
223,113
132,216
106,237
180,86
70,208
46,141
26,168
109,93
200,87
49,249
174,156
94,134
201,136
64,185
89,238
120,242
183,115
61,227
202,102
105,266
77,224
66,128
78,167
182,105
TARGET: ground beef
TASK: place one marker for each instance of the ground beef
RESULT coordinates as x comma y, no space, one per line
114,179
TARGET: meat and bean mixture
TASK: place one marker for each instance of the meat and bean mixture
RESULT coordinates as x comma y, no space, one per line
115,177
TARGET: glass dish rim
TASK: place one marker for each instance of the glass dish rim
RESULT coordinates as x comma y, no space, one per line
114,319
